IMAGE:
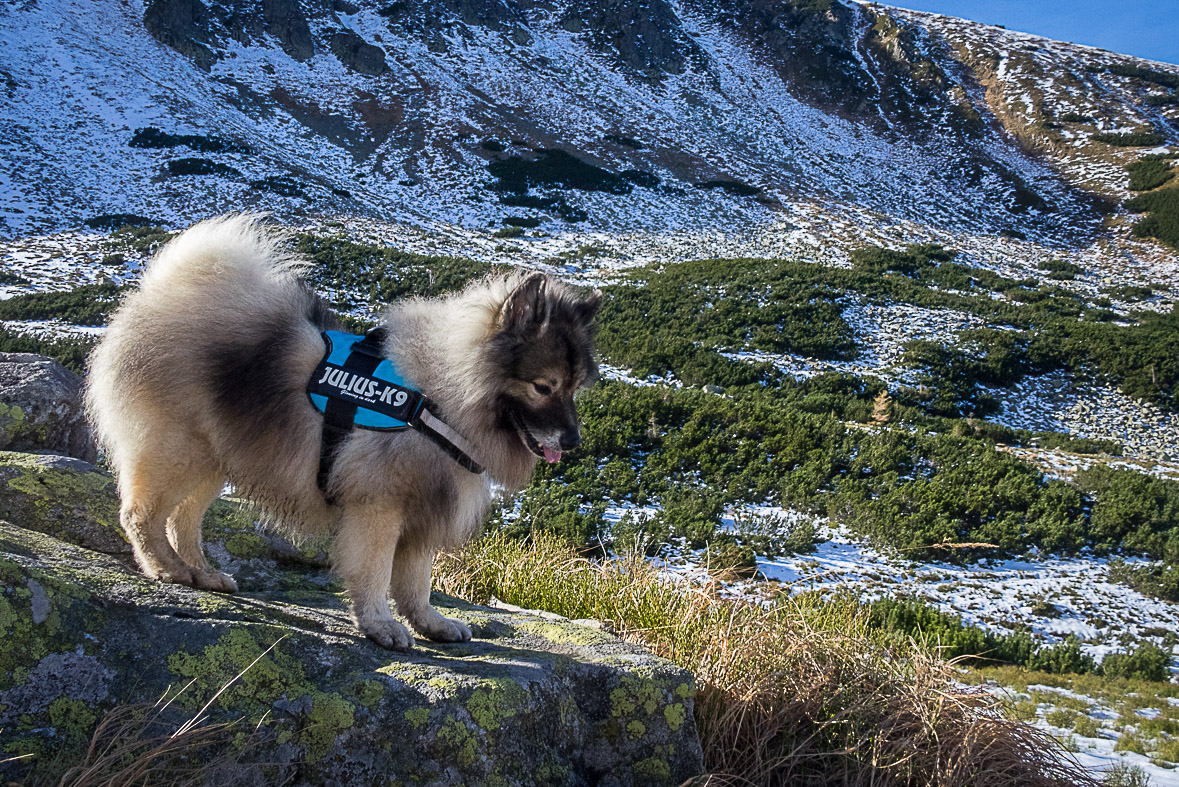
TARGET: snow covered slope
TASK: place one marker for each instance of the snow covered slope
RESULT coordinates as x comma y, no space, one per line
702,113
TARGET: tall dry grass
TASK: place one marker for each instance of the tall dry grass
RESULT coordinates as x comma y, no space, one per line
797,693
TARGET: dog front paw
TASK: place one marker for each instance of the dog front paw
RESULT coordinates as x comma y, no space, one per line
214,581
388,634
174,575
446,630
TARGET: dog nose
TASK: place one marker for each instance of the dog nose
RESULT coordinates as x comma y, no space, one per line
570,439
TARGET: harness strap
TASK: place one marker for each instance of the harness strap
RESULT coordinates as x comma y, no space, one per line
450,441
339,415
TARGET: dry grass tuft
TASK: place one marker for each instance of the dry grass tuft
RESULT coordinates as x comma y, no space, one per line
793,694
132,746
135,745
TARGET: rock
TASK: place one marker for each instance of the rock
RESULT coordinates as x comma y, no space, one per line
357,54
531,700
41,407
62,497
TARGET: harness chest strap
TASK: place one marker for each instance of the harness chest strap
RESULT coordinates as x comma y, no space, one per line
355,386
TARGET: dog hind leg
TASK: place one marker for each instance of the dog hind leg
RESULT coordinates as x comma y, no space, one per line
184,533
363,556
153,482
411,591
143,516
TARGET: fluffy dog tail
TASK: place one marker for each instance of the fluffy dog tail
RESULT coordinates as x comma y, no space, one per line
228,250
203,300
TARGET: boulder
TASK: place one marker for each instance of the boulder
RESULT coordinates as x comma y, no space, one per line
41,407
531,700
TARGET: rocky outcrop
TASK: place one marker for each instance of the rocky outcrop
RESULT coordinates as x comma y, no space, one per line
357,54
530,700
184,26
41,407
645,39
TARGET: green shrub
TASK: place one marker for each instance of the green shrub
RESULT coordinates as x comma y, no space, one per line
801,539
554,169
114,221
1163,78
380,274
557,205
948,633
89,304
955,639
1130,139
152,137
1130,292
200,166
629,142
1157,581
773,535
508,232
1160,100
1064,657
283,185
522,221
734,187
948,384
641,177
1133,511
1061,270
640,533
1149,172
976,496
1163,219
1146,662
1076,445
709,306
71,351
1121,774
144,239
1075,117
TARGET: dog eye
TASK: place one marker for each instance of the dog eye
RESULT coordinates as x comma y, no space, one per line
542,389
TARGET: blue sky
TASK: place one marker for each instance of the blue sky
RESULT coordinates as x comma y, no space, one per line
1146,28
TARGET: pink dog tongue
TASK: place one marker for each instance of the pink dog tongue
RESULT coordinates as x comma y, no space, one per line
550,455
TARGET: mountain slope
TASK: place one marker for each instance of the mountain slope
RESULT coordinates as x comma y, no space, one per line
701,112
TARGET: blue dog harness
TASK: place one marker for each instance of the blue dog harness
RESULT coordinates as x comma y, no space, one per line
355,386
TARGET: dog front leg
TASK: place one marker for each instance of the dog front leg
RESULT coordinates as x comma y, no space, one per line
411,591
362,554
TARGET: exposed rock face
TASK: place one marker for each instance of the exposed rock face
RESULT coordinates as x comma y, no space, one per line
530,700
359,55
41,407
647,39
182,25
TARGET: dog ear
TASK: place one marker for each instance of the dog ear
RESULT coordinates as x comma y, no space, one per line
527,307
588,307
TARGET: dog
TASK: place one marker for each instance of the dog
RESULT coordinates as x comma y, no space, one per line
201,379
